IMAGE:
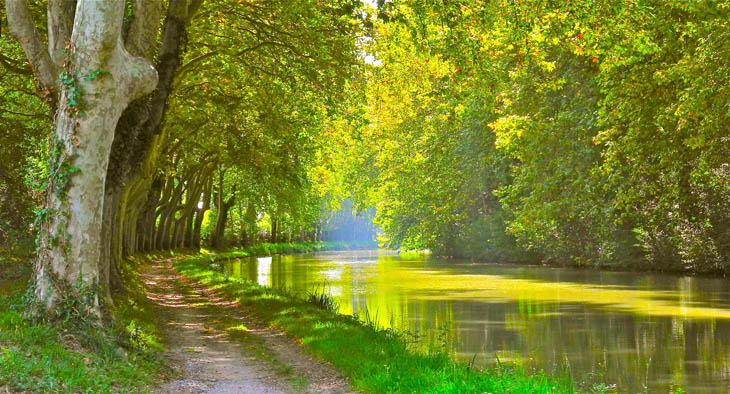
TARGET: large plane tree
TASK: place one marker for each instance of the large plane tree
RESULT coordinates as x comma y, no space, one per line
107,97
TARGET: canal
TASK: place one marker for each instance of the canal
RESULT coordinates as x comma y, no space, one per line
643,332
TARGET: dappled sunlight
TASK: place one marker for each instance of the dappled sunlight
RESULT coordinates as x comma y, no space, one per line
496,288
239,327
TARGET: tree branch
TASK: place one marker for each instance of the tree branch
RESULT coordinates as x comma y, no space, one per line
142,35
198,59
13,66
22,27
60,25
39,115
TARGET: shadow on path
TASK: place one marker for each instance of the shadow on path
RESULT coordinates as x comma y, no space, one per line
217,348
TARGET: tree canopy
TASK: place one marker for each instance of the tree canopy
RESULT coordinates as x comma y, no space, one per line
586,132
581,132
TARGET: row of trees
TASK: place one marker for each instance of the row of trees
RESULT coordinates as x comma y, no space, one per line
581,131
159,112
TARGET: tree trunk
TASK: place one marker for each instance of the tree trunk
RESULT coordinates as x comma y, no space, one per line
167,216
191,207
159,215
146,221
220,223
108,268
274,238
200,214
138,138
99,80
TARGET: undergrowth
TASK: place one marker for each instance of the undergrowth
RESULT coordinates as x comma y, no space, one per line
72,356
15,262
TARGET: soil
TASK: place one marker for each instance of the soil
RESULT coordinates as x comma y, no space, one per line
217,346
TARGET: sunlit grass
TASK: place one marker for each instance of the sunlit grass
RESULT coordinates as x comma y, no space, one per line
42,358
62,358
414,254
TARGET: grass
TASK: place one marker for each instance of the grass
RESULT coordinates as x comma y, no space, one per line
268,249
67,358
122,357
376,359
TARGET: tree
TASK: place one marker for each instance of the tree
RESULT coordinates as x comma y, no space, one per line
608,121
97,79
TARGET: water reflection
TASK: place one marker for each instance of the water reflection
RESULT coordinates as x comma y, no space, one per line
642,332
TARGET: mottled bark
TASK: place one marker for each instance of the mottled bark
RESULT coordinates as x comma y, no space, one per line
141,39
60,25
102,78
114,140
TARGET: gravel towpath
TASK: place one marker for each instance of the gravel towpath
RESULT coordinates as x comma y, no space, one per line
216,346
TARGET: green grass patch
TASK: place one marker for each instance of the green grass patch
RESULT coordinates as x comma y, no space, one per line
376,360
413,254
43,358
269,249
65,358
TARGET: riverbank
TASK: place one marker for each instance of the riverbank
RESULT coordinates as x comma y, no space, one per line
269,249
217,346
375,359
633,266
127,356
122,357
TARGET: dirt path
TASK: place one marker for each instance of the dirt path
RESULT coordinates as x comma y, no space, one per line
213,353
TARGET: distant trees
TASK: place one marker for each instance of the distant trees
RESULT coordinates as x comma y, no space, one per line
582,131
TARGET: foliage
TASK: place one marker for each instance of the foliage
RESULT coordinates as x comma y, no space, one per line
617,164
252,105
583,132
420,151
23,126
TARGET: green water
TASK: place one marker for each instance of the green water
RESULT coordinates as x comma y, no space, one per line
641,332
